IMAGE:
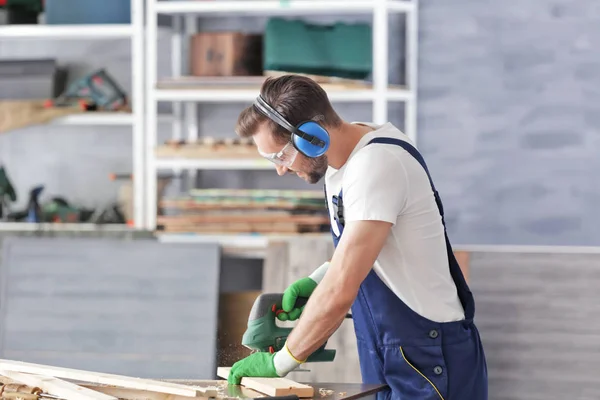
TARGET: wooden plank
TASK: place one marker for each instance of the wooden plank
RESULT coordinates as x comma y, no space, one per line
136,394
103,378
254,82
272,386
57,387
245,217
206,151
238,228
191,204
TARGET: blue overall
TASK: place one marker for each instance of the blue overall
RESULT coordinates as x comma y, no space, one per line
416,357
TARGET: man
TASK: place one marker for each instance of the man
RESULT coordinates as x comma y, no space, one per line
393,265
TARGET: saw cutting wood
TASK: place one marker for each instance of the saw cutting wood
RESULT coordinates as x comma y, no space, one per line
28,381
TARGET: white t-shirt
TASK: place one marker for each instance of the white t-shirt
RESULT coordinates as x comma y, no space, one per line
384,182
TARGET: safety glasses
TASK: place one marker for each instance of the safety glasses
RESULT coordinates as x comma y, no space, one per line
285,157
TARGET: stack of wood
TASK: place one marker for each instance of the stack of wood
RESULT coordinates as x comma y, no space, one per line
245,211
28,381
21,380
208,147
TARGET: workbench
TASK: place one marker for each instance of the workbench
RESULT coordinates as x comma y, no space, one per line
341,391
37,382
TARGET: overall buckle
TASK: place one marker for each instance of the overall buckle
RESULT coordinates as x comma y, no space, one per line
338,209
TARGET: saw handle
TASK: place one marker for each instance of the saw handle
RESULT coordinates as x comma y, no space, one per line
278,309
270,302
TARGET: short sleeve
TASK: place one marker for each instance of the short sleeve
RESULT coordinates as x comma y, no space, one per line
375,186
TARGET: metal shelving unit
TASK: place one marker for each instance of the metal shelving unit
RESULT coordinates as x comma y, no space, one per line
184,14
135,33
104,31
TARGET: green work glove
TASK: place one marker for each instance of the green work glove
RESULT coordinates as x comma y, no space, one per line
257,364
301,288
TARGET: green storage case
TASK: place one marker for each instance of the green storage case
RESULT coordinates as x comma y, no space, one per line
342,49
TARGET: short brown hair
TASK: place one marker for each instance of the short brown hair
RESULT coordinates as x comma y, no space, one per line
297,98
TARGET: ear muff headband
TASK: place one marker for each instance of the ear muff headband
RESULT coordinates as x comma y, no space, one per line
270,112
309,137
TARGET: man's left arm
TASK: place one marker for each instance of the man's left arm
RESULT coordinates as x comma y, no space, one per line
327,306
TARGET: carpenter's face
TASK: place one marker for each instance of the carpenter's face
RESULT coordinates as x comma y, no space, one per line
287,159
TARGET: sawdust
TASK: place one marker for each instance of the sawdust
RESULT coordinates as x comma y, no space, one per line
229,354
325,392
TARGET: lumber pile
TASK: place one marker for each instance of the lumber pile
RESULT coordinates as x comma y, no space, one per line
27,381
43,382
245,211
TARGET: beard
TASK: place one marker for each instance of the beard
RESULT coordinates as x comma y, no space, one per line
317,167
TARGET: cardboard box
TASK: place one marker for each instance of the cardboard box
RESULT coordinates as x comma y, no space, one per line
226,54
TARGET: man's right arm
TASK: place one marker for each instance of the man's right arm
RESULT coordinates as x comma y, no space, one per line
319,273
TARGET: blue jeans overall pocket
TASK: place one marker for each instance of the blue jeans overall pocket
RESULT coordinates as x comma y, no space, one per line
416,372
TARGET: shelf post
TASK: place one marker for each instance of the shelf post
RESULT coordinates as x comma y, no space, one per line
177,71
412,43
191,108
151,131
380,61
139,151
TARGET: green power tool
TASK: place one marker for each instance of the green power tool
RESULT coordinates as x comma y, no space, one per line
263,334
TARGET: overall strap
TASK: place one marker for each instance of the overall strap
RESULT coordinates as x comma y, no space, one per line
417,156
464,293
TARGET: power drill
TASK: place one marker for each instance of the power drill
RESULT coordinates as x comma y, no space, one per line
95,91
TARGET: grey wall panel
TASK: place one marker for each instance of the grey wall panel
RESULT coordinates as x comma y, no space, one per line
139,308
509,118
539,318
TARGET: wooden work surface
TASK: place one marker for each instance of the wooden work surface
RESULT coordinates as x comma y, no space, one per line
341,391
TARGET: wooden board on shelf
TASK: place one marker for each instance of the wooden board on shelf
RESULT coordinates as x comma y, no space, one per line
17,114
244,217
246,199
252,83
272,386
258,221
322,79
239,228
191,205
220,150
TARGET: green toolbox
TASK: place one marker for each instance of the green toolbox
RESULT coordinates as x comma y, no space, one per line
342,49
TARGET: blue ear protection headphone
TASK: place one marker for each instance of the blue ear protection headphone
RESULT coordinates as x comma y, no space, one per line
308,137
